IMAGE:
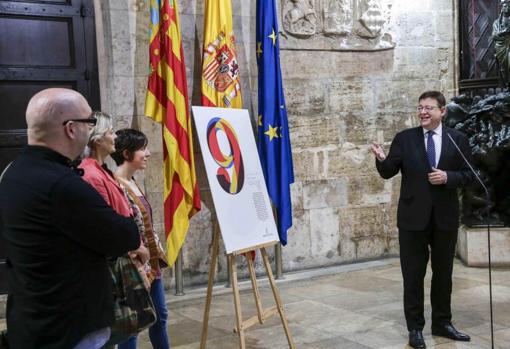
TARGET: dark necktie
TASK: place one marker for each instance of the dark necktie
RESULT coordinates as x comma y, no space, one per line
431,149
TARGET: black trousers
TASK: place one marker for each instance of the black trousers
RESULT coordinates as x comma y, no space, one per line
414,256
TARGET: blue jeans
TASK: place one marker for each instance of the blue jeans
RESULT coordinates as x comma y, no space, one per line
157,332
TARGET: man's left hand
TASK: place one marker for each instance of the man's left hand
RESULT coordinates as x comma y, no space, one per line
437,177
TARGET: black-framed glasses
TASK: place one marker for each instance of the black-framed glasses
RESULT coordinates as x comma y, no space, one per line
91,120
427,108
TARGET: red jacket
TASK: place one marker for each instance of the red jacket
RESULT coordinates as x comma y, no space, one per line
106,185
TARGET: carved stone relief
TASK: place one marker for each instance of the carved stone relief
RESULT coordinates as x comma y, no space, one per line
338,17
336,24
300,18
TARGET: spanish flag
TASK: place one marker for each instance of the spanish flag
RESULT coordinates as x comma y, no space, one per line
167,103
221,85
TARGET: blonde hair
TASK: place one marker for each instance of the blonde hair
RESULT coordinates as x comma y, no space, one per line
103,125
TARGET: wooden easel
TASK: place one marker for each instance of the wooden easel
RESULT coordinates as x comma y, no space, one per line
262,314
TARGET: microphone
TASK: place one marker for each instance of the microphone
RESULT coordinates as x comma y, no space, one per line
487,195
470,167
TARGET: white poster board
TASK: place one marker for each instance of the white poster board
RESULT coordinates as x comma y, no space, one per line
235,177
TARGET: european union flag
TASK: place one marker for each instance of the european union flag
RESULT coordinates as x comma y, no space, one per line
273,130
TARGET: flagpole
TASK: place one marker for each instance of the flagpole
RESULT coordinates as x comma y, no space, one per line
179,284
278,261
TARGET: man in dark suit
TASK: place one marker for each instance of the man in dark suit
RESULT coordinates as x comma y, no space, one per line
428,212
58,232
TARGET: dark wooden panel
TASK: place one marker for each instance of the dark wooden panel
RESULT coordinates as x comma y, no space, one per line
18,93
41,8
31,34
42,44
477,61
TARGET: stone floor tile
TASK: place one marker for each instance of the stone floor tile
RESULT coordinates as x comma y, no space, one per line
353,309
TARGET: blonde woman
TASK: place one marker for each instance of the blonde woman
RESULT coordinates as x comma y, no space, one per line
101,144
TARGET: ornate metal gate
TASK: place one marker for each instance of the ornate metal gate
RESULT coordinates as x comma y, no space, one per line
478,67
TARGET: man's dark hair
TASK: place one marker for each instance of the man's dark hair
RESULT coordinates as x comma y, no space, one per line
128,140
438,96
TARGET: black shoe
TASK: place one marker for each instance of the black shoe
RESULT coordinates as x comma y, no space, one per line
448,331
416,339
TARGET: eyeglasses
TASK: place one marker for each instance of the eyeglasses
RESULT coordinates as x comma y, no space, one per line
427,108
91,120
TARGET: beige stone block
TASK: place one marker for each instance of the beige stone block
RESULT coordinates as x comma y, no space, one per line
364,221
349,95
118,4
140,87
122,43
200,172
370,247
299,64
353,128
158,213
295,254
153,132
123,96
324,193
191,7
417,65
367,188
305,165
122,121
296,193
154,172
472,246
348,160
445,33
243,8
301,100
324,235
311,131
414,28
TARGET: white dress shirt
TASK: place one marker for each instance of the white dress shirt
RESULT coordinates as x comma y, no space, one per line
438,139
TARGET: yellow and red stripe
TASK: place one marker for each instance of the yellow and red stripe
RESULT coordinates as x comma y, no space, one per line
167,103
219,40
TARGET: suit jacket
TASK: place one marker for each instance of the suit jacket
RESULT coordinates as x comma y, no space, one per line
58,231
418,198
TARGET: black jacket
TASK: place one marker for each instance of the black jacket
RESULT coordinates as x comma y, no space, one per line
58,231
419,198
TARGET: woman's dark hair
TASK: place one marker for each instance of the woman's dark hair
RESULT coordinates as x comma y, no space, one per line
128,140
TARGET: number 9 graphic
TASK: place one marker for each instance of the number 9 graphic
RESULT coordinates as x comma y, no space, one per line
230,174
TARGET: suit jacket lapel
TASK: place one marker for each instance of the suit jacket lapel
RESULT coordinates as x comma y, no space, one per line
419,147
445,148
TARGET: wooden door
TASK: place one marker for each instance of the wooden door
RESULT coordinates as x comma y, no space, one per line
42,44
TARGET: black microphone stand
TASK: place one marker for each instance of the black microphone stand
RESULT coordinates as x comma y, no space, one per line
487,195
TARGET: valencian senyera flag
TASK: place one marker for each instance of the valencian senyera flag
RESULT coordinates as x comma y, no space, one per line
273,130
167,103
221,85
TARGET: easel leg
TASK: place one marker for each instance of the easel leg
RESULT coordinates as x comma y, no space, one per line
277,298
237,301
212,269
256,292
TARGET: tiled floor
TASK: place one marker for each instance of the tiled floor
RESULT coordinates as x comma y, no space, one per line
350,307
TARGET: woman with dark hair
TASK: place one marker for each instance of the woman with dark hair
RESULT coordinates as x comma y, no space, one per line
131,155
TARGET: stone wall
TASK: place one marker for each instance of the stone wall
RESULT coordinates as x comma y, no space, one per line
338,101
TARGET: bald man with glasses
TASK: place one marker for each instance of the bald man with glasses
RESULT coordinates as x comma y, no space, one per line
428,212
58,232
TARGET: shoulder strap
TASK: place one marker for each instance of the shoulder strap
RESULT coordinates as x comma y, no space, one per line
5,170
149,233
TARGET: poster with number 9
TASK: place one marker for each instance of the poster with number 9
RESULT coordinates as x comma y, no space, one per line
235,178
